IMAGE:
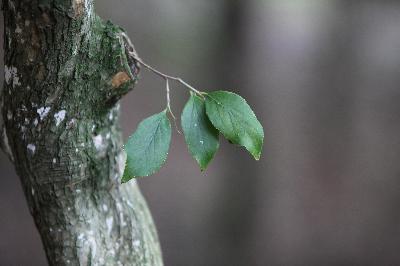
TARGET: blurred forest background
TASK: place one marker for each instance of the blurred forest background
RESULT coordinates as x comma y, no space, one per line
323,78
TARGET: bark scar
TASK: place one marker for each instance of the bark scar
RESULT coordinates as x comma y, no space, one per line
119,79
79,7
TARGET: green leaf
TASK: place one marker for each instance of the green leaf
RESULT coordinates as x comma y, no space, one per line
147,148
233,117
200,135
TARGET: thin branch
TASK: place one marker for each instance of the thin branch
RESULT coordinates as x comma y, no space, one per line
132,53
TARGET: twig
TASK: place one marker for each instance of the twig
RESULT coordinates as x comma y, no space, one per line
133,54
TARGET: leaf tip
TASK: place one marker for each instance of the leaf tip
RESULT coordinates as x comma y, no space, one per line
257,156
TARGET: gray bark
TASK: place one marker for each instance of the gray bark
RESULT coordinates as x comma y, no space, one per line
65,70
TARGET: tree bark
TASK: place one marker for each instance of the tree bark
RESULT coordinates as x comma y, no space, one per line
65,70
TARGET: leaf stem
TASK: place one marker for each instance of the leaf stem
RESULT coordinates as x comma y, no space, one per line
168,97
169,105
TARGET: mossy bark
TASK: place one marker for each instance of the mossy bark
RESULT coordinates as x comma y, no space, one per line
65,70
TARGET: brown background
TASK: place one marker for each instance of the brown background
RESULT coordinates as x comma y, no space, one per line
324,79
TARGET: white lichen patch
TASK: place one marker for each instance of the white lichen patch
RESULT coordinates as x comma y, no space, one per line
129,204
81,237
31,148
76,49
105,208
109,223
121,215
59,117
43,112
99,143
121,159
121,219
11,74
136,243
35,122
18,30
91,240
54,160
111,252
9,115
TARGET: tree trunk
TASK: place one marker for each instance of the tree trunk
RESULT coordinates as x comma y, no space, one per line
65,70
